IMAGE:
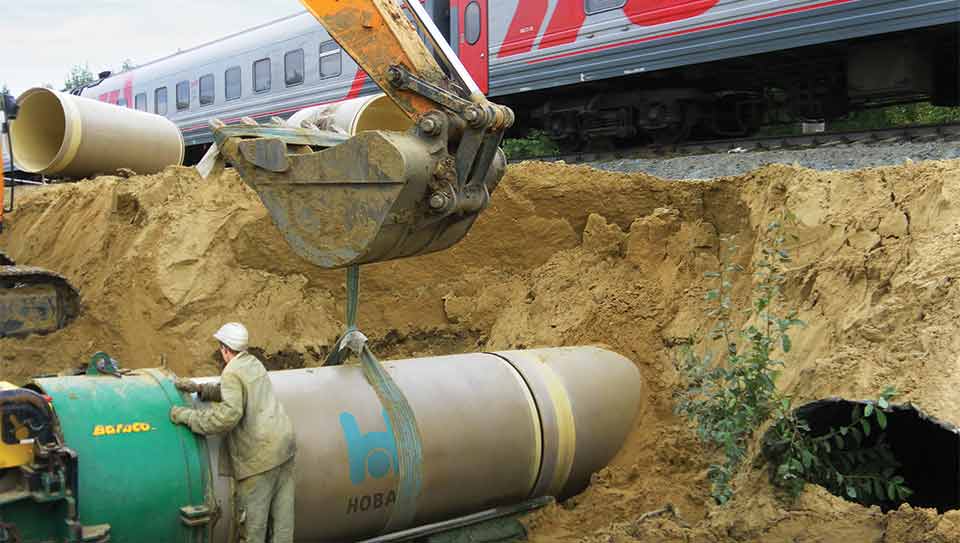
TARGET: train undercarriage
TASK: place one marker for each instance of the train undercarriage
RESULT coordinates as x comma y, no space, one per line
736,97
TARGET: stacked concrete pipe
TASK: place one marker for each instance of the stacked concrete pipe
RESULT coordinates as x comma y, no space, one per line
59,134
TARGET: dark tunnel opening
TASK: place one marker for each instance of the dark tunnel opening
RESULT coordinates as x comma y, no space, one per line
928,449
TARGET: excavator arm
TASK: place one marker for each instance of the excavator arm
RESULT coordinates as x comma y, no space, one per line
344,195
377,35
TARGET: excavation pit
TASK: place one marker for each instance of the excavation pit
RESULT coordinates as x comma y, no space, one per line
928,449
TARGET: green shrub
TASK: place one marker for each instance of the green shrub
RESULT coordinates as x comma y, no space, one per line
853,460
534,144
731,394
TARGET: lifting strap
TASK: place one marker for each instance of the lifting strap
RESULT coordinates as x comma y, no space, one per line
406,434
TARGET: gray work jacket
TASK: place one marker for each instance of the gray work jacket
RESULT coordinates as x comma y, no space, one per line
259,434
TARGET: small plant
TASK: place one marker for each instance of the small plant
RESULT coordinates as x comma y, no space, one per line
731,394
535,143
852,460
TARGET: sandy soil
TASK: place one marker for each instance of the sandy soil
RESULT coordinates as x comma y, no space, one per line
567,255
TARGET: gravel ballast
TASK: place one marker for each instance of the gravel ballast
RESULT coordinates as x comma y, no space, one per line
845,157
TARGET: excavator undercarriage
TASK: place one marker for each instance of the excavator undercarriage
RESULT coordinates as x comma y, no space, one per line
32,300
35,301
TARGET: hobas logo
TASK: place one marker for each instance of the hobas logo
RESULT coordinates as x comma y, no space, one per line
371,455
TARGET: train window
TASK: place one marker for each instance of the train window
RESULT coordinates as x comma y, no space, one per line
232,87
140,101
597,6
261,75
330,60
471,23
160,101
122,102
183,95
207,91
293,67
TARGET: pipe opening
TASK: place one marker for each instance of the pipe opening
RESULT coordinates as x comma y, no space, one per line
927,449
38,131
382,114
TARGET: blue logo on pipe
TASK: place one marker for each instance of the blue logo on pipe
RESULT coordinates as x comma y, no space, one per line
372,454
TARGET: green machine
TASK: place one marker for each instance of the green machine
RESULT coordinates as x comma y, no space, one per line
158,475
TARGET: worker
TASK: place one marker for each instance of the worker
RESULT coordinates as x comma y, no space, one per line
260,446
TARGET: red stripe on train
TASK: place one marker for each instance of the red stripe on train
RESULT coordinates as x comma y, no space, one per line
524,27
691,30
354,92
655,12
565,24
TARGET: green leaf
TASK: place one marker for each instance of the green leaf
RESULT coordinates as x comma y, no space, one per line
878,488
891,491
785,343
711,274
851,491
839,440
882,420
868,410
883,403
866,426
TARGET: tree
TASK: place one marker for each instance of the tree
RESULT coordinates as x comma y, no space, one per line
79,76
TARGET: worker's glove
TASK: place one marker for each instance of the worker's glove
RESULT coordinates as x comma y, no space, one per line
186,385
178,415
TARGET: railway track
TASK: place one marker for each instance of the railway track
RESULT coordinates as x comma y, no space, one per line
919,133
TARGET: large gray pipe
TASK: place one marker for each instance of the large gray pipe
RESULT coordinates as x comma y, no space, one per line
497,428
65,135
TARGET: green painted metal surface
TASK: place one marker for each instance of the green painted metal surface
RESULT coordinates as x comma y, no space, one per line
136,469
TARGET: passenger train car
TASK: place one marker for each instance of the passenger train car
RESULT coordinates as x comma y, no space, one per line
587,70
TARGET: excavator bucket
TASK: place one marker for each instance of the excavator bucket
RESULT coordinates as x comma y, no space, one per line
376,196
378,178
34,300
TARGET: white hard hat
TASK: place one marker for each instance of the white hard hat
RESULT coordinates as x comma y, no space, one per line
233,335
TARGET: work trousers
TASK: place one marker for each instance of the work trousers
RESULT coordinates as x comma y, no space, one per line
266,501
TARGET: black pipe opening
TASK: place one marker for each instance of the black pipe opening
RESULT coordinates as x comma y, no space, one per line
928,449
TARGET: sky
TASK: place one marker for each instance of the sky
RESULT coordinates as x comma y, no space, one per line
40,40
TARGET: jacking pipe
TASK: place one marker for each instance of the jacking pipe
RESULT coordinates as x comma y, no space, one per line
64,135
351,117
497,429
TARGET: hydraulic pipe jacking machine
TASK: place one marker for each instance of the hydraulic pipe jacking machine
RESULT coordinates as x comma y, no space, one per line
93,457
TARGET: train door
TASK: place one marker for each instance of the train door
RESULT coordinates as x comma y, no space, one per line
472,40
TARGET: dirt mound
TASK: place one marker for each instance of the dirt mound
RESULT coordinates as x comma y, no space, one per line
567,255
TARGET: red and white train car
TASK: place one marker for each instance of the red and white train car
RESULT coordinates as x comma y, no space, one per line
593,69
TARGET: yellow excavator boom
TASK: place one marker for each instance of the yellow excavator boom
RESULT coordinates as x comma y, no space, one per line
378,35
